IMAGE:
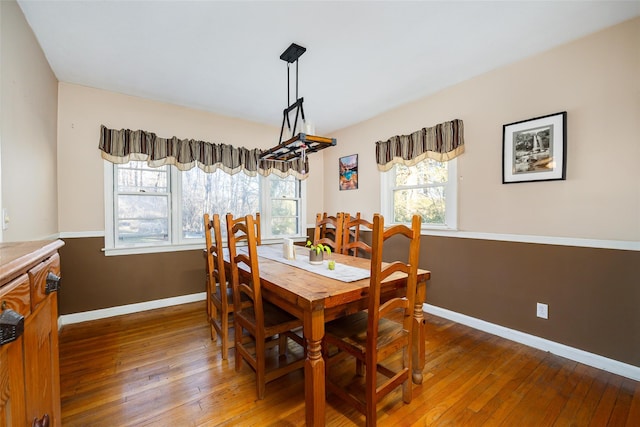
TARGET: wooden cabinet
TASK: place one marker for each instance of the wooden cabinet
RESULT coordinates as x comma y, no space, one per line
29,368
14,296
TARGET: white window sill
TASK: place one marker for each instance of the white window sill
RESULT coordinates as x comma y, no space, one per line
435,230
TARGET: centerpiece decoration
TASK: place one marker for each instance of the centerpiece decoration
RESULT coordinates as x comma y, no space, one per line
316,252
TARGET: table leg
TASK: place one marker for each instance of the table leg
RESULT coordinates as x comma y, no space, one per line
418,334
314,386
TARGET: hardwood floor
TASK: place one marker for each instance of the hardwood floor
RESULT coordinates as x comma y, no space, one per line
160,368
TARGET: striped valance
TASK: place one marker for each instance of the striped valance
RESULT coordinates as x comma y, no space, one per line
124,145
442,142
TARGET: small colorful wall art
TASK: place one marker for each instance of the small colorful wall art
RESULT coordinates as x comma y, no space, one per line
349,172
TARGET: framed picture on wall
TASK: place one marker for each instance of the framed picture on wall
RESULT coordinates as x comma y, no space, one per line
348,166
535,149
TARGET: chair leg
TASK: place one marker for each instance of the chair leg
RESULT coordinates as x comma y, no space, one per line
371,398
371,412
260,368
208,301
359,368
407,389
224,334
282,345
238,344
214,316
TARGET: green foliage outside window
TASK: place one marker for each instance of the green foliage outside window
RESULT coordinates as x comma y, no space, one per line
420,190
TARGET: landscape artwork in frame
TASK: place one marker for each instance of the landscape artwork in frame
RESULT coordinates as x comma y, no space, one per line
535,149
348,172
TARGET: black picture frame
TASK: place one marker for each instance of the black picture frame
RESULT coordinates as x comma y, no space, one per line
535,149
348,172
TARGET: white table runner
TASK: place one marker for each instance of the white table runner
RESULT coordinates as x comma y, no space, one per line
344,273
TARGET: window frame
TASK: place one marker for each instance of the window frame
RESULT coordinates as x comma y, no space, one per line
176,241
266,206
387,186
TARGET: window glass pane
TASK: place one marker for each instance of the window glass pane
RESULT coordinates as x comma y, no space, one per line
214,193
283,187
143,230
143,219
284,226
426,172
142,207
281,208
429,203
137,177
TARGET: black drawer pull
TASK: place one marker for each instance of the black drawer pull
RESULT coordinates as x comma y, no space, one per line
11,325
42,422
53,283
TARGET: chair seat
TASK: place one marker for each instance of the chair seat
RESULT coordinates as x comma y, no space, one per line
276,320
218,300
352,331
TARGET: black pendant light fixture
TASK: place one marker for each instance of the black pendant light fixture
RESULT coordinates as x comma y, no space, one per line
296,139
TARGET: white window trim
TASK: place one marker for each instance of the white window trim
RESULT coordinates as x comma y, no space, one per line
109,238
451,213
193,244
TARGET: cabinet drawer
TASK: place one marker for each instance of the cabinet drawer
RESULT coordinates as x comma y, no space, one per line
16,296
38,277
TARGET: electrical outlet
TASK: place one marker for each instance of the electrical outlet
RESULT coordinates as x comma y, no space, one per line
542,310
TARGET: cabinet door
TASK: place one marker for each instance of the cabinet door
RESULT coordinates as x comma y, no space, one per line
13,296
12,405
42,376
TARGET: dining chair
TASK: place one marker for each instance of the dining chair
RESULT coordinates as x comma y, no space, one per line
328,231
219,293
373,336
261,325
352,244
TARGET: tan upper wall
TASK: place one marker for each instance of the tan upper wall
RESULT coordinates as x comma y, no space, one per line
28,121
81,172
595,79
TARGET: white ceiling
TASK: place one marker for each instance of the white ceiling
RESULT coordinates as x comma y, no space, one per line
363,57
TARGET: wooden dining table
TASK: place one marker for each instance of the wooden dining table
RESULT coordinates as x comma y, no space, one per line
317,299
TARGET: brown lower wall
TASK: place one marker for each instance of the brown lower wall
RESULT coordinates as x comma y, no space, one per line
92,281
593,294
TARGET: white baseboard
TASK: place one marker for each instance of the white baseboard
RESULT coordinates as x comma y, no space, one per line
581,356
67,319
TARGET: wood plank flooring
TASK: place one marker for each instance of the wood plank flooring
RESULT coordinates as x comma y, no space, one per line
160,368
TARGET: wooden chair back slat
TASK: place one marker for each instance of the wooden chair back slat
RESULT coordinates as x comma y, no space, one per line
328,231
352,244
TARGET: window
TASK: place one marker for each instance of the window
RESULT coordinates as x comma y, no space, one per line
162,208
142,204
428,189
284,203
212,193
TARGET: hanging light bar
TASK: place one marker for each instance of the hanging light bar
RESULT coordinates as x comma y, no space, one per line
303,142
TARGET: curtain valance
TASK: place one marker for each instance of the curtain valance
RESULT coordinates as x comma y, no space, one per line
442,142
124,145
